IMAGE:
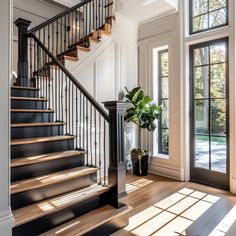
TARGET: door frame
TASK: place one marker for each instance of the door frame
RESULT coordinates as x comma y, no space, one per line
201,175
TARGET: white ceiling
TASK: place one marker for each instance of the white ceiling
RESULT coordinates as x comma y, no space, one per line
142,10
137,10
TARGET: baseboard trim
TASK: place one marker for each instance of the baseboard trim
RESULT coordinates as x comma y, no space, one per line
6,218
168,172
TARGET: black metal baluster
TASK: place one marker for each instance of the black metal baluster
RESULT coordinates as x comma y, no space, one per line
90,18
72,103
87,132
53,38
102,12
64,37
61,44
66,105
84,122
31,58
96,10
68,31
99,13
104,154
62,97
95,137
49,83
57,39
59,93
76,118
91,135
69,107
100,146
56,91
80,122
76,26
93,16
35,63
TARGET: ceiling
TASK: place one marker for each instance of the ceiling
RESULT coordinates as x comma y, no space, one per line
142,10
137,10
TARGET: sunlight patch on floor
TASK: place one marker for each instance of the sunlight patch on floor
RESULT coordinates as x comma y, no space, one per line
172,215
137,184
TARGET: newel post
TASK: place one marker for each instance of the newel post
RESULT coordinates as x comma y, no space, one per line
117,167
22,64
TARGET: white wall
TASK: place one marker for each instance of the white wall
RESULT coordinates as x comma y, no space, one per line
6,220
156,34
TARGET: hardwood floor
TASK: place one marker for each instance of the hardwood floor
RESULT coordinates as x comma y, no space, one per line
166,207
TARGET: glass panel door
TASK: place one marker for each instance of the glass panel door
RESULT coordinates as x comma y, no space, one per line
209,113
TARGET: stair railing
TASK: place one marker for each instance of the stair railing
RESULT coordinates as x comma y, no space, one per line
74,26
96,131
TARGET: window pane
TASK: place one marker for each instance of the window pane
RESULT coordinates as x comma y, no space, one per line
164,87
218,85
216,4
208,14
200,22
165,114
218,17
218,116
201,82
201,56
201,111
164,64
165,141
163,95
218,154
201,151
199,7
218,53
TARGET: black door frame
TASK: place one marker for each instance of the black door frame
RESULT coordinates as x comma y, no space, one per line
208,177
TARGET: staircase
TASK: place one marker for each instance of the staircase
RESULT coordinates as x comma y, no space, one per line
67,160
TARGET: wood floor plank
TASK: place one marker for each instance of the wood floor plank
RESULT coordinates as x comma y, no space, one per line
50,179
44,158
41,139
150,195
34,211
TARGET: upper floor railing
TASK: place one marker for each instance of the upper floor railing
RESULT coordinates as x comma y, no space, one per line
74,26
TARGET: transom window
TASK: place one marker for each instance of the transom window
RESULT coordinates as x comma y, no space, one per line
207,14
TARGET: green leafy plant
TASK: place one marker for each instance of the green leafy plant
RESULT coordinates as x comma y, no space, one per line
143,111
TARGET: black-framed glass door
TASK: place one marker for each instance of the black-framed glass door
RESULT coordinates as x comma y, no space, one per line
209,119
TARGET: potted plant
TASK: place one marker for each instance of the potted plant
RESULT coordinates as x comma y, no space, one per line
143,112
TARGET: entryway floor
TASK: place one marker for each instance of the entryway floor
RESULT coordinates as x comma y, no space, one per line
166,207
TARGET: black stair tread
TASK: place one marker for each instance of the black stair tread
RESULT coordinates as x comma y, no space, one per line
29,99
22,161
51,205
25,141
50,179
36,124
88,222
22,87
